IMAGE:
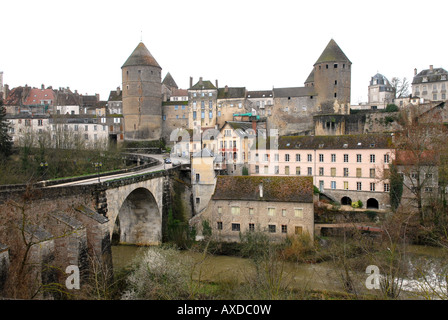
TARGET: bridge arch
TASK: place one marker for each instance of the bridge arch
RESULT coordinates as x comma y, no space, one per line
135,210
139,219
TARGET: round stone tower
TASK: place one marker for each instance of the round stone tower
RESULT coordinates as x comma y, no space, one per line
332,80
142,96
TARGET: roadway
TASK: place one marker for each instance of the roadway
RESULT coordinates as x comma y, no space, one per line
162,166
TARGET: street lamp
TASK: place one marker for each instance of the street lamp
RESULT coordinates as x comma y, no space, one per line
98,166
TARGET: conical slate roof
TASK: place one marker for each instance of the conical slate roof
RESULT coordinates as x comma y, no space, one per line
141,57
332,53
169,81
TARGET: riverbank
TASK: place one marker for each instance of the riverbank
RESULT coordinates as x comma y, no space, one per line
218,276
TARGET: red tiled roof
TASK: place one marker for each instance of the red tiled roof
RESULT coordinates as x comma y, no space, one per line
37,95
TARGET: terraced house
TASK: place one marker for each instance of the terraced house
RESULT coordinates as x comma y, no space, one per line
347,168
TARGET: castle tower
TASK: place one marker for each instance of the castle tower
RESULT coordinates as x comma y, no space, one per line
332,80
142,96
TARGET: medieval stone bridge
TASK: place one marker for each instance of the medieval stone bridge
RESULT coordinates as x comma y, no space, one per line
131,206
82,216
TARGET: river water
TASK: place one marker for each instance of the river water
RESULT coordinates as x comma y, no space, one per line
318,276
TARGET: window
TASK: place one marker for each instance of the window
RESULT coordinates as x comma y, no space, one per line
345,172
298,230
345,185
284,228
372,186
40,123
358,173
251,211
235,210
333,172
276,157
297,157
283,212
321,158
287,170
310,157
219,209
372,173
372,158
358,158
358,186
235,227
298,213
219,225
198,177
310,171
271,212
345,157
271,228
198,200
251,227
266,169
257,169
321,171
333,184
287,157
298,171
333,157
386,158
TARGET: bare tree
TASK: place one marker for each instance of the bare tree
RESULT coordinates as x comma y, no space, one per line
401,87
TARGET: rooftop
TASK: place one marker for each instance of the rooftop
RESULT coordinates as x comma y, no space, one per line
332,53
141,57
275,188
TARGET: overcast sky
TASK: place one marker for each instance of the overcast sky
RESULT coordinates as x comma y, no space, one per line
241,43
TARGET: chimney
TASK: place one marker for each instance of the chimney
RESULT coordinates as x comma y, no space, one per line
226,89
191,82
216,81
431,67
254,126
200,80
118,91
42,87
260,187
415,71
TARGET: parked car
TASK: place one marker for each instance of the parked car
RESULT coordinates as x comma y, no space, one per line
168,160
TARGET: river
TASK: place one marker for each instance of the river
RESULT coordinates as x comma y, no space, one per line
318,276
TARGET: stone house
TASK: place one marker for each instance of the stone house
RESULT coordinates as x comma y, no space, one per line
430,84
280,206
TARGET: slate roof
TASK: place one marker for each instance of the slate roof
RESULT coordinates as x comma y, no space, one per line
332,53
294,92
241,128
169,81
356,141
310,77
232,93
275,188
259,94
203,84
141,57
432,75
114,96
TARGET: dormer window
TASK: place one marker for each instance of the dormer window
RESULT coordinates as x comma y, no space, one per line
425,79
